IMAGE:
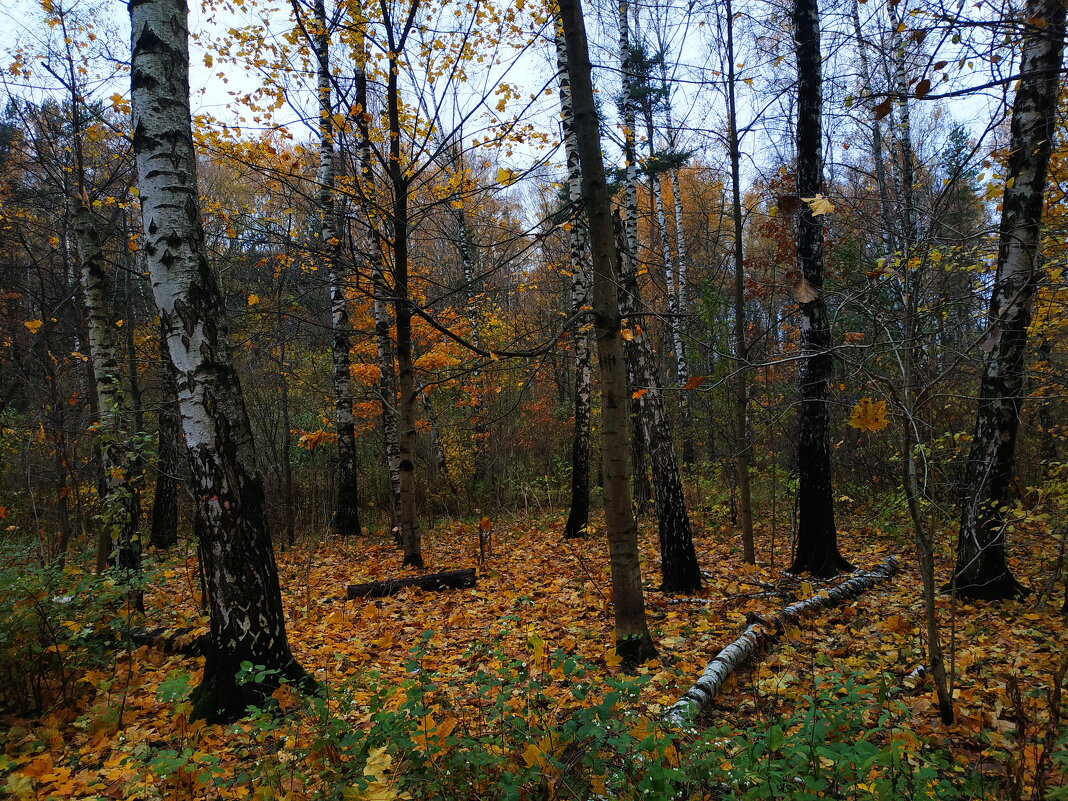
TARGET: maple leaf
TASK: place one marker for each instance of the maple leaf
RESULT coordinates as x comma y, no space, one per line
638,394
869,415
33,325
694,381
819,205
253,299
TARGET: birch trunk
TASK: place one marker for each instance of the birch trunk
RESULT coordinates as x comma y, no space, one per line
817,537
118,501
982,570
234,545
759,634
347,511
478,414
410,537
680,571
742,453
578,517
164,532
387,382
634,644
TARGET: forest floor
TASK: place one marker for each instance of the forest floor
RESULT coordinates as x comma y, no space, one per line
538,593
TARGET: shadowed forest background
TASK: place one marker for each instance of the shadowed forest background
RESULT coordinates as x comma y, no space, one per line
476,400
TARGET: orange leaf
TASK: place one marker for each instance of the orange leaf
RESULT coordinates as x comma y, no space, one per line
639,394
694,381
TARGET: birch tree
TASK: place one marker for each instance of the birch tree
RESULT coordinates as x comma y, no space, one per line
579,508
982,570
817,537
233,542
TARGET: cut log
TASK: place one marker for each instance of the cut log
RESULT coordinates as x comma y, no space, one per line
185,640
449,580
758,634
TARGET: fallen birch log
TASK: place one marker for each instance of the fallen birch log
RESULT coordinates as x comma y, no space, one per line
758,634
449,580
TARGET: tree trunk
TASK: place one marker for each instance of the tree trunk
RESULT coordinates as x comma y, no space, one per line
982,571
410,538
164,532
634,644
759,634
449,580
817,537
678,561
118,501
742,452
387,381
578,517
347,511
234,545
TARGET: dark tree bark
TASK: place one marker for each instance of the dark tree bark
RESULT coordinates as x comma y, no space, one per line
982,570
234,545
449,580
634,644
408,396
817,537
164,530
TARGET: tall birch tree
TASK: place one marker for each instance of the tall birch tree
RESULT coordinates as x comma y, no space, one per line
233,542
982,570
817,537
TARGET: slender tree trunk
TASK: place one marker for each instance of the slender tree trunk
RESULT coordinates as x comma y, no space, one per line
164,531
478,413
671,277
347,511
742,452
411,542
817,537
118,499
237,561
877,156
678,560
982,570
387,381
578,517
634,644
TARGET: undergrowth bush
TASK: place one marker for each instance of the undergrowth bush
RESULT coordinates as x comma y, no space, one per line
547,728
55,624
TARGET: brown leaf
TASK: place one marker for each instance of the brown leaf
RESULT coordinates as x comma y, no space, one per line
694,381
923,87
882,109
992,340
800,288
938,65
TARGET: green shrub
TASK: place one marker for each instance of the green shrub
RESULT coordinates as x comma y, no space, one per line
55,623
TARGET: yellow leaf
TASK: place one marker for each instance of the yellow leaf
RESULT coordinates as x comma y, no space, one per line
33,325
533,756
505,176
253,299
627,334
819,205
613,659
869,415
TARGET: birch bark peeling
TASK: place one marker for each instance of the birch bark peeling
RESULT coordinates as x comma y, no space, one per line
759,634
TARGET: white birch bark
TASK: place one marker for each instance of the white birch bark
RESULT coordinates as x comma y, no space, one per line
759,634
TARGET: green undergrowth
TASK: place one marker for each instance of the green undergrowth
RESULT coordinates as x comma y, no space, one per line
546,728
